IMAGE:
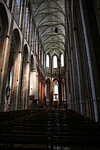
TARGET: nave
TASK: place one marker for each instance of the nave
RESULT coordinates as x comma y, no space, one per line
48,129
49,62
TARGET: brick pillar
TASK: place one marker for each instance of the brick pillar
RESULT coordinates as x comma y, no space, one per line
59,86
14,103
60,94
39,92
3,70
51,93
43,92
25,86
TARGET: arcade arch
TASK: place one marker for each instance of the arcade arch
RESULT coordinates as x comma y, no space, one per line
13,75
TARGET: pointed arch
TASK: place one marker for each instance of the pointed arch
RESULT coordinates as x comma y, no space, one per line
14,70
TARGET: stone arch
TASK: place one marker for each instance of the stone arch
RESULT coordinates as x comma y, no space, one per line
25,78
3,29
16,41
15,46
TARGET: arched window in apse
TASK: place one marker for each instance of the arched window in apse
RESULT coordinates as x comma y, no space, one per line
47,61
54,61
55,89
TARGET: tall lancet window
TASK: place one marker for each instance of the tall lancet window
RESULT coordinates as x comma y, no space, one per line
47,61
62,60
54,61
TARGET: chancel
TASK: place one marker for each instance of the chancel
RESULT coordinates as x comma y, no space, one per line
50,74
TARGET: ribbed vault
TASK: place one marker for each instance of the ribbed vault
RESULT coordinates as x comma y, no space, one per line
49,17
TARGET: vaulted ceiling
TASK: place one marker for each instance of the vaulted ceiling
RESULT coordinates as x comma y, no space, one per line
49,17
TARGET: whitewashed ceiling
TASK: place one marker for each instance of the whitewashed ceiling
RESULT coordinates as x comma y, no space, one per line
49,16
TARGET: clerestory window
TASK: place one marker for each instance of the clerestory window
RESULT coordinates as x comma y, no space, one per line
54,61
62,60
47,61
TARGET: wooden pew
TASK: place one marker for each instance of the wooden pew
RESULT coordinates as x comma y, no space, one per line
52,128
